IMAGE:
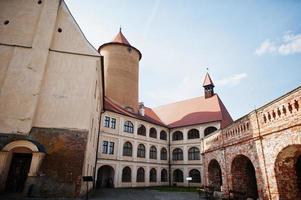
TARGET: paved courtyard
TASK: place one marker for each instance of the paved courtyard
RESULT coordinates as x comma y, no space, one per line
141,194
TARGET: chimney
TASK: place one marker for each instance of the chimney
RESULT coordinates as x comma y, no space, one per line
141,108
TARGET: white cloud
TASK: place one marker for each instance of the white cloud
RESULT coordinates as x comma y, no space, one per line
288,44
232,80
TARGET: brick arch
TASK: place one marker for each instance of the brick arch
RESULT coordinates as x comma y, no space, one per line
288,172
21,143
215,178
243,176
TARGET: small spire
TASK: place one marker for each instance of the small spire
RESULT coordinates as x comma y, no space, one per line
119,38
208,81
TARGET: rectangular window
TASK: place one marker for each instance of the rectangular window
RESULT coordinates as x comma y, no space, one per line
111,148
113,123
105,147
107,122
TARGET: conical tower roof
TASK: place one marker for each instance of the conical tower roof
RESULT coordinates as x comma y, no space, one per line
120,38
207,80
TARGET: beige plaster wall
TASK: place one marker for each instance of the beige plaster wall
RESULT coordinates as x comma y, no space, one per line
45,81
121,68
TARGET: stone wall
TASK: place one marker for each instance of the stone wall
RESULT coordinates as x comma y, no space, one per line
270,139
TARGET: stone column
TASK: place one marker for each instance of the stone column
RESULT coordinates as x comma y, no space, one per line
37,158
5,158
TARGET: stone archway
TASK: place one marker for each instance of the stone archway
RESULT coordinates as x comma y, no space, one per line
19,160
105,177
215,175
288,172
244,177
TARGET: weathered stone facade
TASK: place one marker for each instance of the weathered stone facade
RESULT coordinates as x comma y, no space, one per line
260,150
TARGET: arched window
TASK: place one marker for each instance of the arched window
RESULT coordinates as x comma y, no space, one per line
163,175
193,134
163,154
141,151
163,135
153,133
193,153
128,127
152,175
127,149
178,135
153,153
195,175
209,130
177,154
140,175
141,130
126,174
178,175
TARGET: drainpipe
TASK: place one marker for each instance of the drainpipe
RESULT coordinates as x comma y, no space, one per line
100,114
169,164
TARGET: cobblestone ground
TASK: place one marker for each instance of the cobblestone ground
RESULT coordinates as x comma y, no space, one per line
142,194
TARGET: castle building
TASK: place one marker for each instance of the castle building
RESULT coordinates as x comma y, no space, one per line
68,111
141,146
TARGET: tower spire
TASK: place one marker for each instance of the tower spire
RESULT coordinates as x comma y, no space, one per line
208,86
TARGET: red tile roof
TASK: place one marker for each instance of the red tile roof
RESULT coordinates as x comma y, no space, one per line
193,111
120,38
207,80
149,114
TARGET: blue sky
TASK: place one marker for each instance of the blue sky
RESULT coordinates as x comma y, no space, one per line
252,48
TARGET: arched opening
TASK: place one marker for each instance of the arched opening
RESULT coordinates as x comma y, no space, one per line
128,127
194,153
193,134
126,175
22,158
18,170
105,177
163,154
209,130
163,135
288,172
195,175
153,133
178,176
244,177
177,154
163,175
153,152
141,151
178,135
141,130
152,175
140,175
215,175
127,149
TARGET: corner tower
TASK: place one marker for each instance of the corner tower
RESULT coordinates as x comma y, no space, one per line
121,71
208,86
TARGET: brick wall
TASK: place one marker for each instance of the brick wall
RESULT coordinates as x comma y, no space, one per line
269,140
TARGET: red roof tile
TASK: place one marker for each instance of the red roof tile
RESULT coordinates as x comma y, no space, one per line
194,111
207,80
120,38
149,114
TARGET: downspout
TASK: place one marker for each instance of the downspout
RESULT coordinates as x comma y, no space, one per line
100,114
169,164
263,155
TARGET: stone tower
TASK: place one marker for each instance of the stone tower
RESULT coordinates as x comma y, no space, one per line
121,69
208,86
